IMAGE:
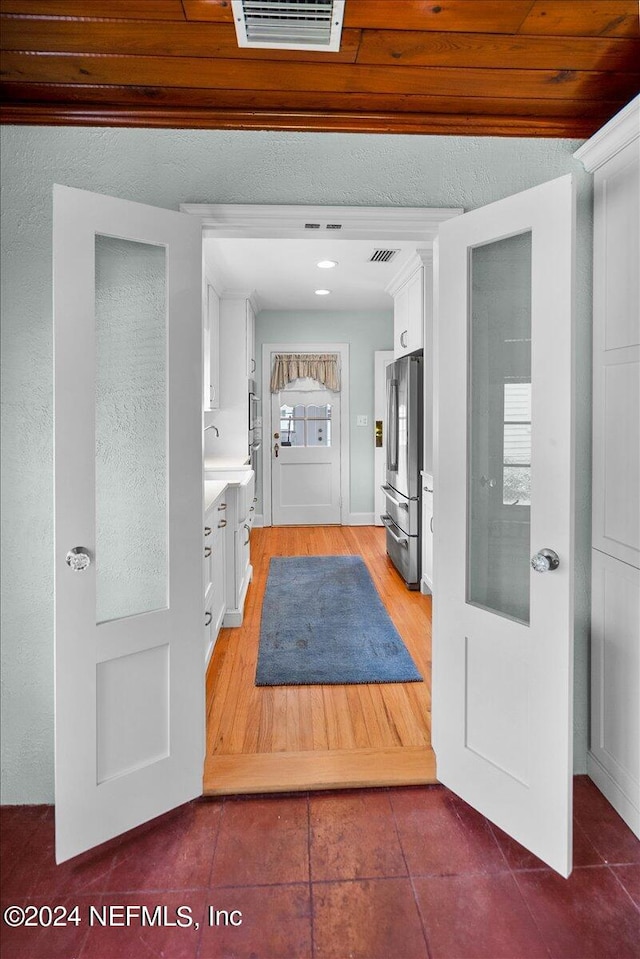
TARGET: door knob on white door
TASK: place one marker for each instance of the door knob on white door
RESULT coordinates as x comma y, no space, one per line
545,560
78,559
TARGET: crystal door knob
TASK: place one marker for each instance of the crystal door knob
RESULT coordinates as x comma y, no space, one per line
545,560
78,559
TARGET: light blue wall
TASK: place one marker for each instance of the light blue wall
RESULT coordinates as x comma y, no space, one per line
365,333
165,168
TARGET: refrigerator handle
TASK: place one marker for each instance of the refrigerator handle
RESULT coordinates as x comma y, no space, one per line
392,425
388,522
396,502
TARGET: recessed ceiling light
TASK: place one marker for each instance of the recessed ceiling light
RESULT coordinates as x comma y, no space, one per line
322,292
327,264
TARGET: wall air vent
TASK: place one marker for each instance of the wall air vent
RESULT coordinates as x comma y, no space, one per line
289,24
382,256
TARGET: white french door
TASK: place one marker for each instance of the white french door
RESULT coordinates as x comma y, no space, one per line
503,630
305,458
129,670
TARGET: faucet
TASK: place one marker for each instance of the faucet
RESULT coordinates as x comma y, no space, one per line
212,427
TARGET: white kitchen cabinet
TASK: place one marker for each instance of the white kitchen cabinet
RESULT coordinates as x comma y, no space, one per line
215,523
410,290
426,583
250,325
241,510
237,346
614,756
211,347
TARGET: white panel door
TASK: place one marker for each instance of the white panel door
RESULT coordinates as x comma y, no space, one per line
128,515
305,458
503,632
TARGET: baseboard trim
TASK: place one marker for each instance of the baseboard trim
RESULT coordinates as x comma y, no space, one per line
361,519
425,587
611,790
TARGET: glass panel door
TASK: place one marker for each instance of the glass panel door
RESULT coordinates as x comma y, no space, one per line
131,428
499,430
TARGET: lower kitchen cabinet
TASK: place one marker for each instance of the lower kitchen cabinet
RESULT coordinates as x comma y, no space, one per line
215,573
426,584
241,501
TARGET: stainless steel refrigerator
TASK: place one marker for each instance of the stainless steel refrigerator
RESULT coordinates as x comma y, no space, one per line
402,489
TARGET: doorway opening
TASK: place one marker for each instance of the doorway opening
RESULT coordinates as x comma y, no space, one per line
284,738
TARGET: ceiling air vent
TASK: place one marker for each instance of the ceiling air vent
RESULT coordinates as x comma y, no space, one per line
382,256
289,24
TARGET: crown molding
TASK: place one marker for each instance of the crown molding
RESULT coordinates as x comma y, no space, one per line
288,222
614,136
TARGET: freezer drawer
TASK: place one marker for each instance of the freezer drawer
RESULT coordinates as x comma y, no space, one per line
404,552
403,511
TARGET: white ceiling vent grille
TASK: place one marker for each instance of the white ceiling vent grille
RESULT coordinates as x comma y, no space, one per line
382,256
289,24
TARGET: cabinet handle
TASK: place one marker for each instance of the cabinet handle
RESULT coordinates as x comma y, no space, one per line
222,506
251,509
255,499
427,489
431,524
222,524
403,338
207,531
207,621
253,365
212,393
207,552
248,529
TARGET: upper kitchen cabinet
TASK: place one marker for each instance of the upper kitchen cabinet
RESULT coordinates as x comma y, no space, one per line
237,368
411,290
250,324
211,345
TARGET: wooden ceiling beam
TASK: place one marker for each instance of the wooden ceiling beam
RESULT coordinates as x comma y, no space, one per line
498,51
161,39
97,9
337,77
582,18
485,16
383,47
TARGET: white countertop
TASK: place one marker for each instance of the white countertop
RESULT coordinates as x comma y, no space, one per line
212,490
214,463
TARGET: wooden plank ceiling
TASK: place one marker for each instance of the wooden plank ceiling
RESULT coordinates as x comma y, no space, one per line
488,67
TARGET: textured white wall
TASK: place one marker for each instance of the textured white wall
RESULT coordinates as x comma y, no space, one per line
165,168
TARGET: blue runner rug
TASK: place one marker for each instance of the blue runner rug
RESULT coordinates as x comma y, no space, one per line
323,622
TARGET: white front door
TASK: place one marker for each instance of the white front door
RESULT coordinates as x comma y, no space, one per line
129,670
381,360
503,632
305,458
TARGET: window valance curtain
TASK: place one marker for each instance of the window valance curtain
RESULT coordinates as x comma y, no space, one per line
322,367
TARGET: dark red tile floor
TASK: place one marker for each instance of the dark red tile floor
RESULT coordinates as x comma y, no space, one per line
366,874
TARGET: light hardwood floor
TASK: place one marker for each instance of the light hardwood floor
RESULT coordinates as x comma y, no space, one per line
287,738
